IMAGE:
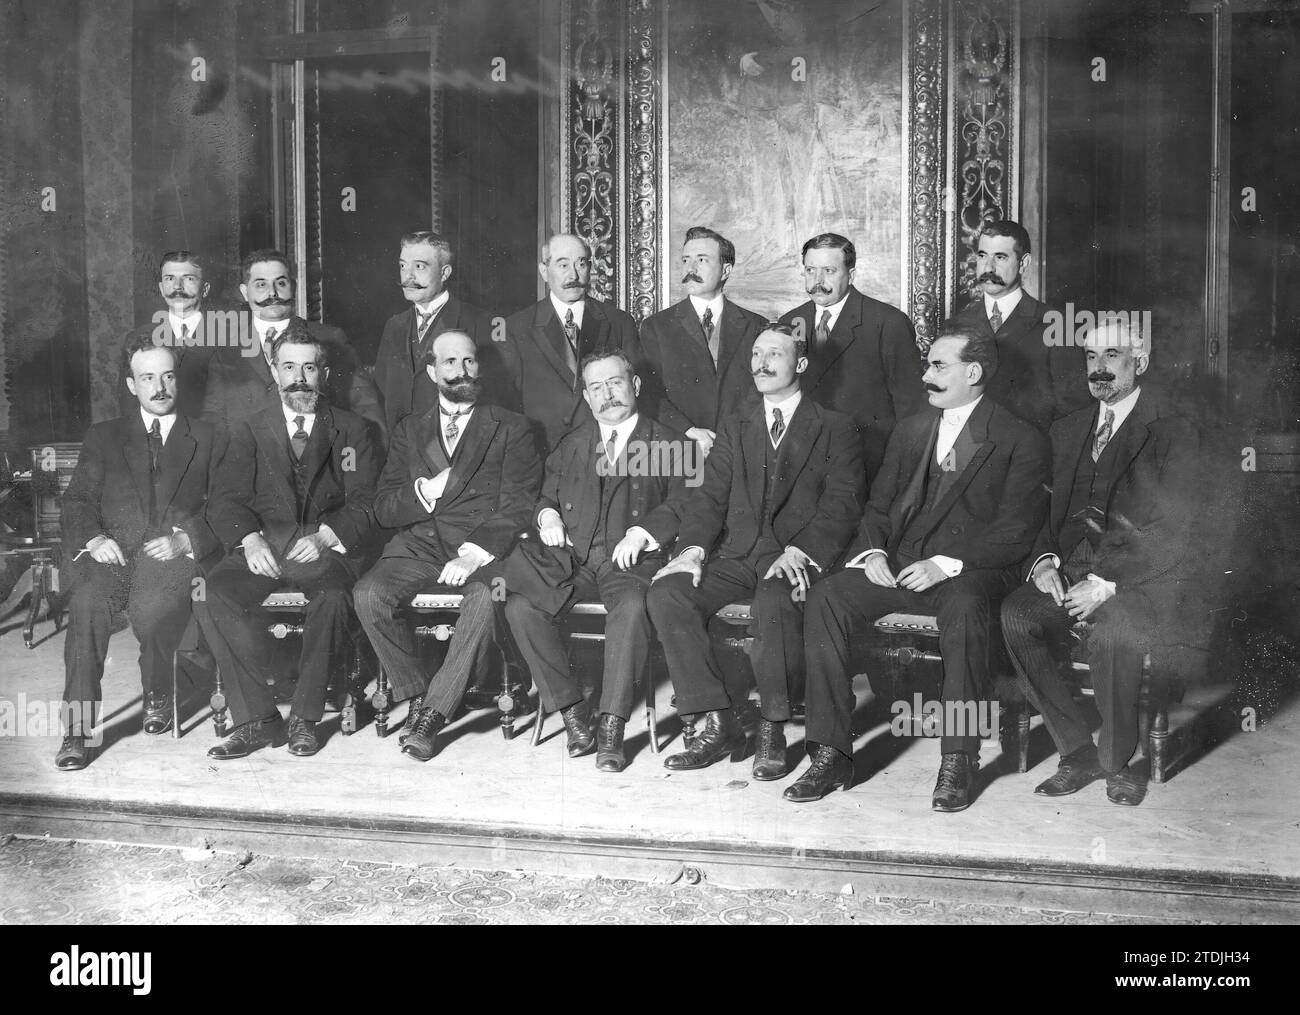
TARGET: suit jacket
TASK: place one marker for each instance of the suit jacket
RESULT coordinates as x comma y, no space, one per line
1038,382
1151,504
991,510
680,384
109,490
817,497
489,496
239,385
870,369
541,386
403,382
255,488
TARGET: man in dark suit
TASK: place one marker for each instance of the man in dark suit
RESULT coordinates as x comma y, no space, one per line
292,503
425,265
1113,553
460,484
951,518
862,354
242,382
611,501
546,342
1037,380
134,513
782,490
697,352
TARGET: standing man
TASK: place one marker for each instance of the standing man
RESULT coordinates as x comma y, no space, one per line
424,266
134,511
1037,381
951,518
603,521
782,490
460,484
240,386
546,342
862,354
291,502
697,352
1113,554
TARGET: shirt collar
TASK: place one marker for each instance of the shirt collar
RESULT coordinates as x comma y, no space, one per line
434,305
262,327
701,305
1122,408
1007,302
562,308
290,415
835,312
192,321
165,423
957,417
623,429
787,408
451,409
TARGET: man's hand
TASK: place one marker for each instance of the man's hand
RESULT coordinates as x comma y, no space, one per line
629,548
168,547
750,67
1083,599
433,488
704,438
456,572
921,575
690,561
1048,579
259,556
550,526
106,551
792,565
308,549
876,568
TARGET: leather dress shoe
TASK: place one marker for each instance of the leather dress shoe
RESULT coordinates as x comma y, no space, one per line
829,770
246,739
1123,787
157,713
717,737
769,752
421,743
1072,774
609,743
577,727
74,754
302,737
412,711
952,788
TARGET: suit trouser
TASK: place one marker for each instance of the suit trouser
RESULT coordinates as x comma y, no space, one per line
627,638
964,607
681,615
382,597
235,627
1032,622
156,597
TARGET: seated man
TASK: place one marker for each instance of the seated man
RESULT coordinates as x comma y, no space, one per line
460,483
607,510
1112,553
782,490
292,502
133,516
951,517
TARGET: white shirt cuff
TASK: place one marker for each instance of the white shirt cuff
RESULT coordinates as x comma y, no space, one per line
543,515
190,553
475,553
806,559
332,540
950,566
861,559
1056,563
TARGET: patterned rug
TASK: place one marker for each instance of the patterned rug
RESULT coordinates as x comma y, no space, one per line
54,881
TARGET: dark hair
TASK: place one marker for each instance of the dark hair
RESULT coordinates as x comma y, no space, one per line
831,241
800,344
979,348
296,333
604,352
435,240
258,256
141,342
726,249
1005,227
182,257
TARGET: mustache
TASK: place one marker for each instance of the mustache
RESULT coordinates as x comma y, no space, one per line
162,396
613,403
273,301
764,373
1101,375
178,294
990,276
690,276
298,386
819,288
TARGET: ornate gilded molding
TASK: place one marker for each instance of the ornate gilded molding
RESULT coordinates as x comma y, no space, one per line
924,77
644,147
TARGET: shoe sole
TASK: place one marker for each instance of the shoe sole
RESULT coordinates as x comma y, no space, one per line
948,810
72,768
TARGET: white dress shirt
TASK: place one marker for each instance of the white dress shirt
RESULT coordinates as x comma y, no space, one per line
433,306
787,413
429,490
700,305
1006,303
830,323
562,308
262,327
165,423
190,323
309,421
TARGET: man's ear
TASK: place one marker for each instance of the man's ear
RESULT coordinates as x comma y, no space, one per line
801,365
1143,362
726,271
430,370
130,384
446,272
1025,262
207,288
636,386
243,291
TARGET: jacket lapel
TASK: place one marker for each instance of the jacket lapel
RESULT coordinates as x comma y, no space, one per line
174,461
473,446
317,453
272,437
794,451
843,335
1076,442
595,328
1130,440
733,326
135,449
753,449
548,333
430,442
973,448
913,496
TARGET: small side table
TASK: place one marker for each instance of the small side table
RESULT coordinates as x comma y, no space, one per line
43,558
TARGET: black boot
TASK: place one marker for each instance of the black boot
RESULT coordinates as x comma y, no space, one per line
421,742
577,724
74,754
952,788
157,713
609,743
769,752
412,711
717,737
829,770
246,739
302,737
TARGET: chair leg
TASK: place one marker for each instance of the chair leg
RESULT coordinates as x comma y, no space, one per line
381,701
218,704
349,720
1158,743
39,580
651,720
1022,738
537,724
176,695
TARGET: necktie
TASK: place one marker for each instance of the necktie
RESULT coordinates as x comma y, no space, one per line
453,428
710,334
823,329
299,438
1103,434
155,445
422,327
571,347
154,437
268,344
611,447
778,427
185,334
995,317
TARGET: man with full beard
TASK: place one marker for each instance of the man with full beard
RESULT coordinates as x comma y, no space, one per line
460,485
